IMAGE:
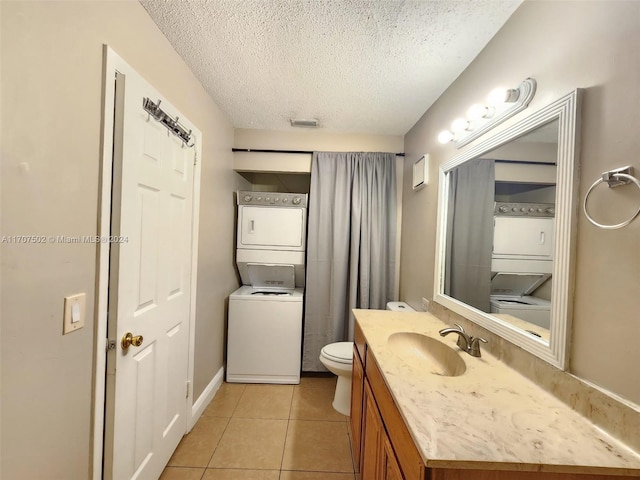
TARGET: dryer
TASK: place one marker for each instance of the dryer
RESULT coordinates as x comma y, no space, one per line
272,221
272,229
523,237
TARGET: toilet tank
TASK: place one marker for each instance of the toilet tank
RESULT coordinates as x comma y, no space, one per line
399,307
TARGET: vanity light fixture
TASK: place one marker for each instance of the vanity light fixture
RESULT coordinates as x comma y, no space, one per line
502,103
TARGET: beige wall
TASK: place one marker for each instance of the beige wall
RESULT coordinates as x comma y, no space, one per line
563,45
298,139
305,139
291,170
51,122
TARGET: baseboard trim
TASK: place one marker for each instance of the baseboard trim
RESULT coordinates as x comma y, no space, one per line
205,398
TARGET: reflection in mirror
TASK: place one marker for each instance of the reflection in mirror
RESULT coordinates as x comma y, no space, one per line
500,224
505,231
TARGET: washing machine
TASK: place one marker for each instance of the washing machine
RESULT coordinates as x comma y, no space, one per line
510,295
264,335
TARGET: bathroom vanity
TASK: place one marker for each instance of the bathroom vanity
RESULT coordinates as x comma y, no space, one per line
422,409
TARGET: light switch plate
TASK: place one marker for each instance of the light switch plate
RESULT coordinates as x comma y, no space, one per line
74,309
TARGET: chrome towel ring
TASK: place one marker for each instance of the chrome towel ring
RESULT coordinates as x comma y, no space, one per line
614,178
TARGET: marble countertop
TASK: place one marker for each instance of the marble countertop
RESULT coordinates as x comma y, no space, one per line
490,417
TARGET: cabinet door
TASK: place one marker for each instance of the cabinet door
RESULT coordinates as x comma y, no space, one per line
379,461
392,468
357,394
372,446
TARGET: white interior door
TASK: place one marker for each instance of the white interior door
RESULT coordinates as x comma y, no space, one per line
149,288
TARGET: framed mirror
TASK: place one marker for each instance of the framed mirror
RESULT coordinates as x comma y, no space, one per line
506,231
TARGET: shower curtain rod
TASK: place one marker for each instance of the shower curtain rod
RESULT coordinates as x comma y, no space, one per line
401,154
257,150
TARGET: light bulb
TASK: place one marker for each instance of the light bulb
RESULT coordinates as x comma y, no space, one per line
445,136
503,95
459,125
497,96
476,112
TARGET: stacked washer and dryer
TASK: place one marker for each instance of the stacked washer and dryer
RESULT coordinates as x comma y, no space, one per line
522,260
264,341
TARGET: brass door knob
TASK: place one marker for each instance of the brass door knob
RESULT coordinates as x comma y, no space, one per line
130,339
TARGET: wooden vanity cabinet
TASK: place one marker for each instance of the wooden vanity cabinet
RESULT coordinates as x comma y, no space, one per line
382,445
382,449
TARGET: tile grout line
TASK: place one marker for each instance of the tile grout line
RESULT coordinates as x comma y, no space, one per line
244,389
204,472
224,430
286,433
218,443
353,460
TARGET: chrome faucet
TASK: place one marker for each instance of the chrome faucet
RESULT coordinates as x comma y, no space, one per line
463,338
466,342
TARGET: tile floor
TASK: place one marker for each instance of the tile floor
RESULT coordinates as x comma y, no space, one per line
267,432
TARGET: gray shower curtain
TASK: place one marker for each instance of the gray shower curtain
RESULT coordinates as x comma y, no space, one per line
350,246
470,233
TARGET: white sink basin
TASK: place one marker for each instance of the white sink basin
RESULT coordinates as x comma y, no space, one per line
425,352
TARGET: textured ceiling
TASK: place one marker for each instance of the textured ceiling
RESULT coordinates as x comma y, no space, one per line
370,66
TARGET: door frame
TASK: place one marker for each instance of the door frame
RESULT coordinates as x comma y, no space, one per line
113,63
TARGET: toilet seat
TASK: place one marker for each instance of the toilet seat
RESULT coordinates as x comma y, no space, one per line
340,352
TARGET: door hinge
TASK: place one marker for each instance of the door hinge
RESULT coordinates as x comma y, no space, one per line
188,389
195,158
111,344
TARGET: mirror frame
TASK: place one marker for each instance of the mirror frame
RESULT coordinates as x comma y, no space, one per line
567,111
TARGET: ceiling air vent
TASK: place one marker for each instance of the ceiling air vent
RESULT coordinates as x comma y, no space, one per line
313,123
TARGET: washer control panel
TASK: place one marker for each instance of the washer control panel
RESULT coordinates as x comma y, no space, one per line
514,209
272,199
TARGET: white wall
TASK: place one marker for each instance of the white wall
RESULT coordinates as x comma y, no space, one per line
563,45
51,110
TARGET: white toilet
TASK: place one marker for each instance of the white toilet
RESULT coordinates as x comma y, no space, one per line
338,358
